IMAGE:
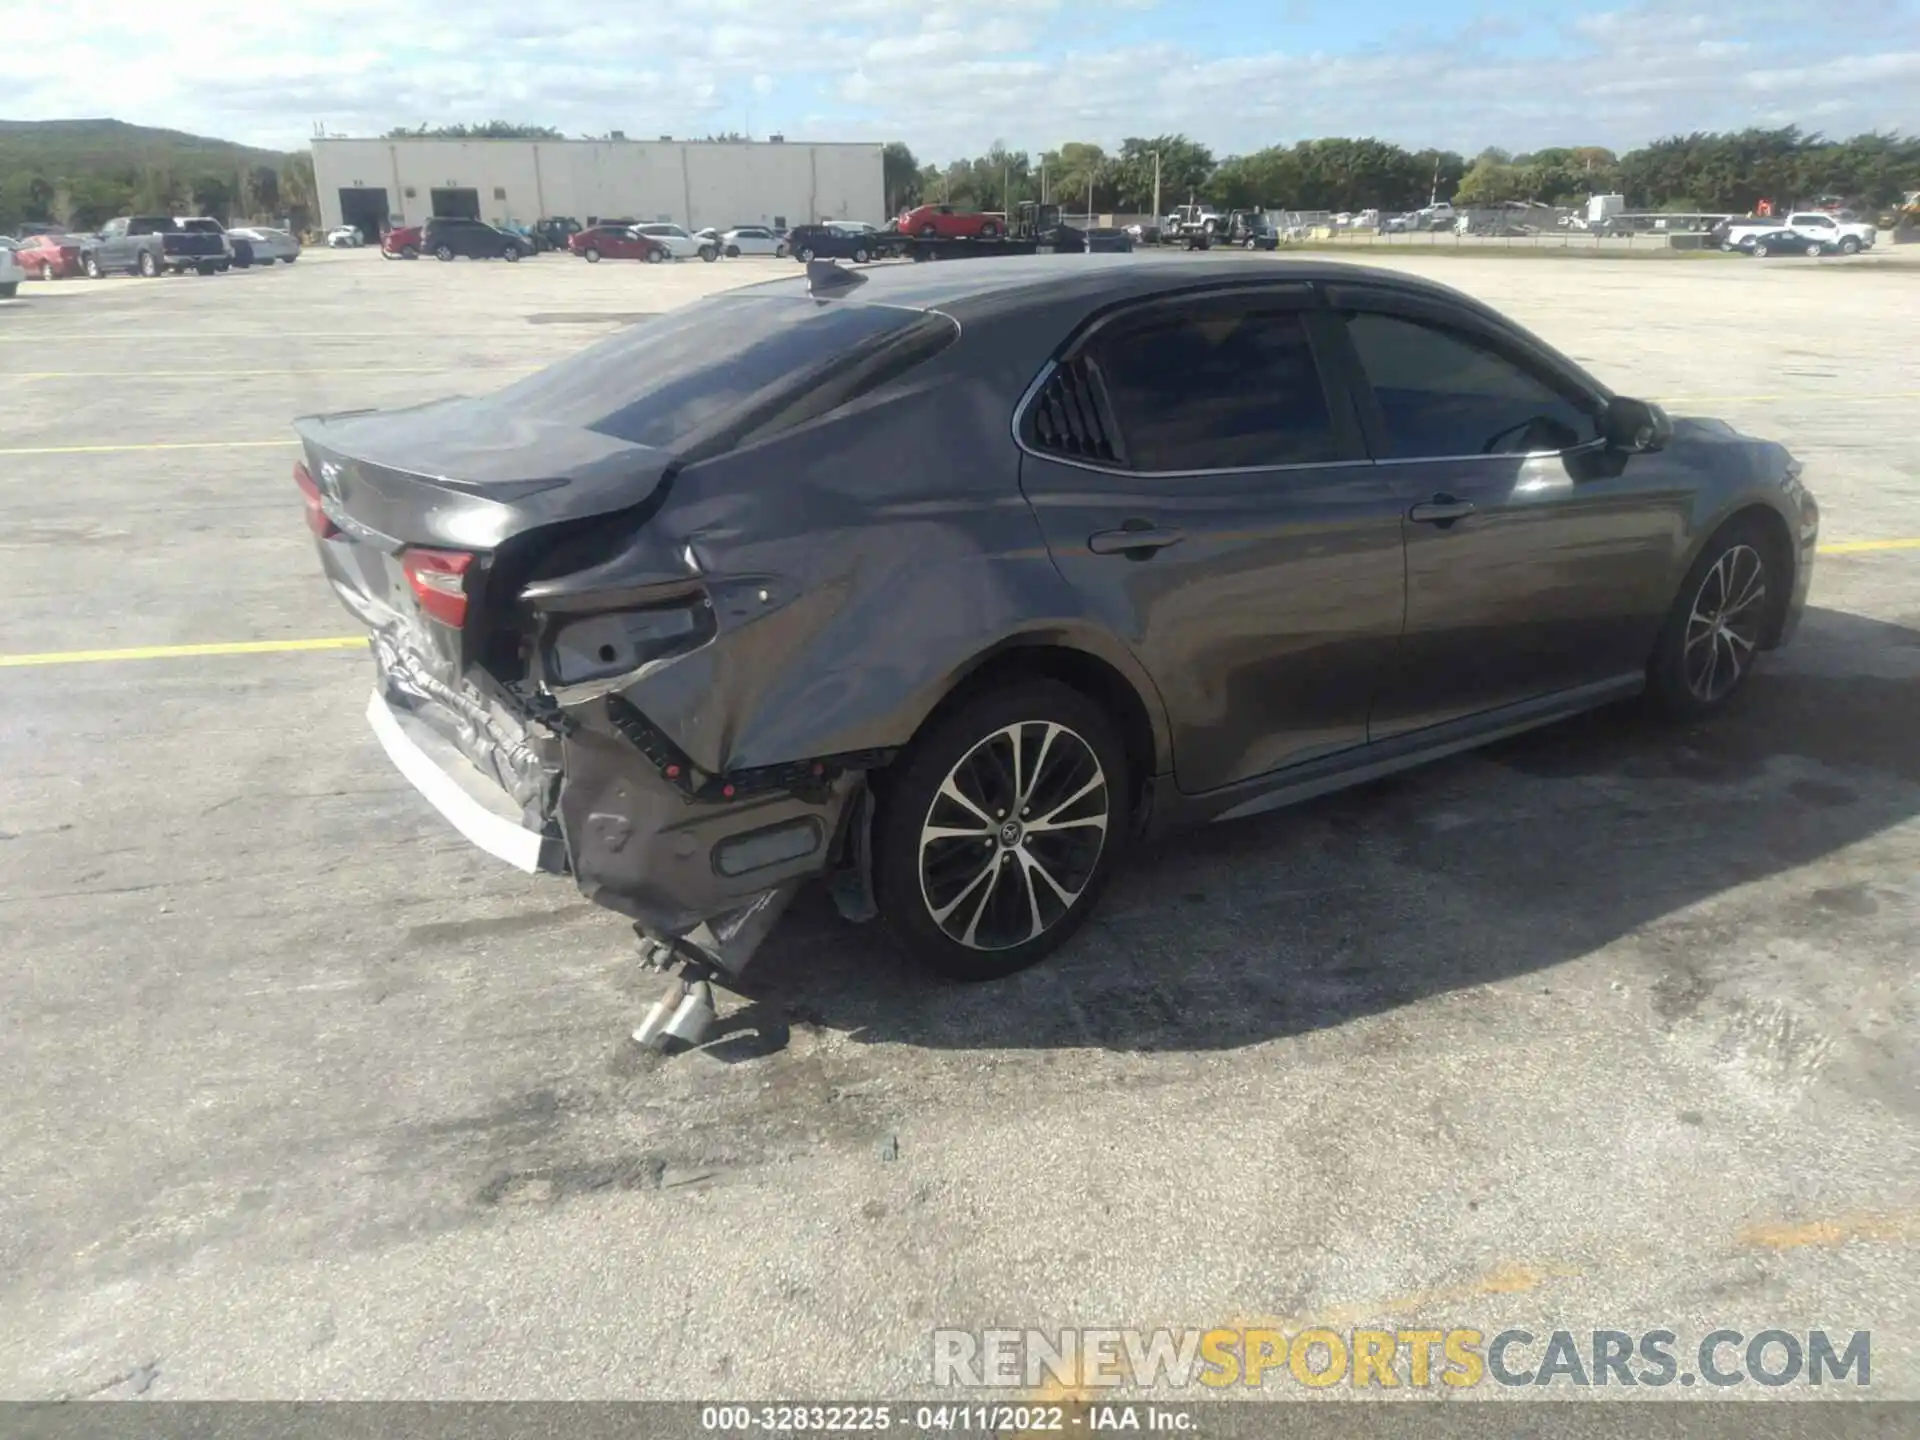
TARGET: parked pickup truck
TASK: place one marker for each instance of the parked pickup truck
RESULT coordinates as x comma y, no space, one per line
1842,234
150,244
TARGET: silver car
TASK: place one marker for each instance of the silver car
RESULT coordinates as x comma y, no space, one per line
263,244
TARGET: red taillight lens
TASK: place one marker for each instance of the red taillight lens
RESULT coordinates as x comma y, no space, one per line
439,580
317,520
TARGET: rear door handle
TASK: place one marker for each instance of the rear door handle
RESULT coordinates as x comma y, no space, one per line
1441,510
1139,538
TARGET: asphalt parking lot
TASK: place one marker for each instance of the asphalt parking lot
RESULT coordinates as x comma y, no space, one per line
1612,1026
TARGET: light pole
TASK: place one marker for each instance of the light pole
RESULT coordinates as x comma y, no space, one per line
1156,185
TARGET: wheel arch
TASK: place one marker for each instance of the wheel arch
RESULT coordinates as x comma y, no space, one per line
1076,661
1773,526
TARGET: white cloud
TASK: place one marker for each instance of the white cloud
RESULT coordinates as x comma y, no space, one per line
950,77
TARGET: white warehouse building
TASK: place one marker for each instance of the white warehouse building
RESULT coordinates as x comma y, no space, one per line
695,183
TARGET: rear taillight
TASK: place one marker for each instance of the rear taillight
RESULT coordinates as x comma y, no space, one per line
439,580
317,520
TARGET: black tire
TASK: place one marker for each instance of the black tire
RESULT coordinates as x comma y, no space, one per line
1849,246
780,252
444,254
590,255
147,265
990,231
1759,251
860,255
205,269
90,263
972,745
10,289
709,254
511,254
733,252
407,252
656,256
806,255
1729,602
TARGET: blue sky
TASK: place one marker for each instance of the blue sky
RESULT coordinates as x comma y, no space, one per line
951,77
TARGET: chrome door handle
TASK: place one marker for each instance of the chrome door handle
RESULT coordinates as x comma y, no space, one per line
1441,510
1138,538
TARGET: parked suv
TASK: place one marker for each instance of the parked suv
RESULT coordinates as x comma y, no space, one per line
446,238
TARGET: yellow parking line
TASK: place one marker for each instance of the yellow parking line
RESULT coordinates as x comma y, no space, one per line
171,652
148,445
1861,547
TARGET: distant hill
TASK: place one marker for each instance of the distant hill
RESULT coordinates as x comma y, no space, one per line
82,172
67,146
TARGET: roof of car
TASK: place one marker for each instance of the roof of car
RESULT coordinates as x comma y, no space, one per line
969,282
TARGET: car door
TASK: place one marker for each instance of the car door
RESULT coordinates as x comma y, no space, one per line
1204,488
112,250
1823,229
1536,560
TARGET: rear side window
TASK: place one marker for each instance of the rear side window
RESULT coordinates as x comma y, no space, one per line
730,369
1441,393
1219,390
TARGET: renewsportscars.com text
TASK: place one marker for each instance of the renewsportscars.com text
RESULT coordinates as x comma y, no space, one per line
1219,1359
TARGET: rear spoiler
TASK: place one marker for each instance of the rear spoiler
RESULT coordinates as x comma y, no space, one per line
826,279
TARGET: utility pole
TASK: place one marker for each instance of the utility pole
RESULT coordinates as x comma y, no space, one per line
1156,186
1433,194
1043,182
1006,187
1090,197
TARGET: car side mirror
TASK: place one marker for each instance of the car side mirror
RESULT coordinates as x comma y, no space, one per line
1634,427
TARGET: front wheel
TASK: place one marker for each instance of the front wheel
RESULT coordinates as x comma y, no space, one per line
408,254
655,257
860,255
709,254
590,255
989,231
733,252
511,254
444,253
806,254
1849,246
1815,251
91,264
1760,252
1714,632
999,829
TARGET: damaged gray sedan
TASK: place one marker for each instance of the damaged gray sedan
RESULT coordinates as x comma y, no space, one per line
946,582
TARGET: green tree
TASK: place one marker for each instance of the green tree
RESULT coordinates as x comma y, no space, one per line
489,130
900,177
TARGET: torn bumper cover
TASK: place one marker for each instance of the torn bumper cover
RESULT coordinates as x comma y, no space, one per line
685,863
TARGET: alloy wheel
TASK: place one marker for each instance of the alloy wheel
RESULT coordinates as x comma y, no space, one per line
1013,835
1723,627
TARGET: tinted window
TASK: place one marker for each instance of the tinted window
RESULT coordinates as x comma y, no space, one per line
1216,391
700,368
1443,394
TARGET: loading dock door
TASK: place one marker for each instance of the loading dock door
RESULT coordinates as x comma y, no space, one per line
366,210
461,204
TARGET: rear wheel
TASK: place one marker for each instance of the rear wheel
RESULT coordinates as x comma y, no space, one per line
1712,635
591,255
511,254
733,252
806,254
656,256
989,230
779,252
148,266
860,255
443,253
1816,250
999,828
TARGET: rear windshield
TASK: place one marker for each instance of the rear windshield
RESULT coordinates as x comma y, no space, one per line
676,380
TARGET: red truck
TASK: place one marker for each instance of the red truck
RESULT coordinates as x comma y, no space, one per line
943,222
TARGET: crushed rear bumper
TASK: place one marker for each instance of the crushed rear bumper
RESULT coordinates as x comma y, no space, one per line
677,865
